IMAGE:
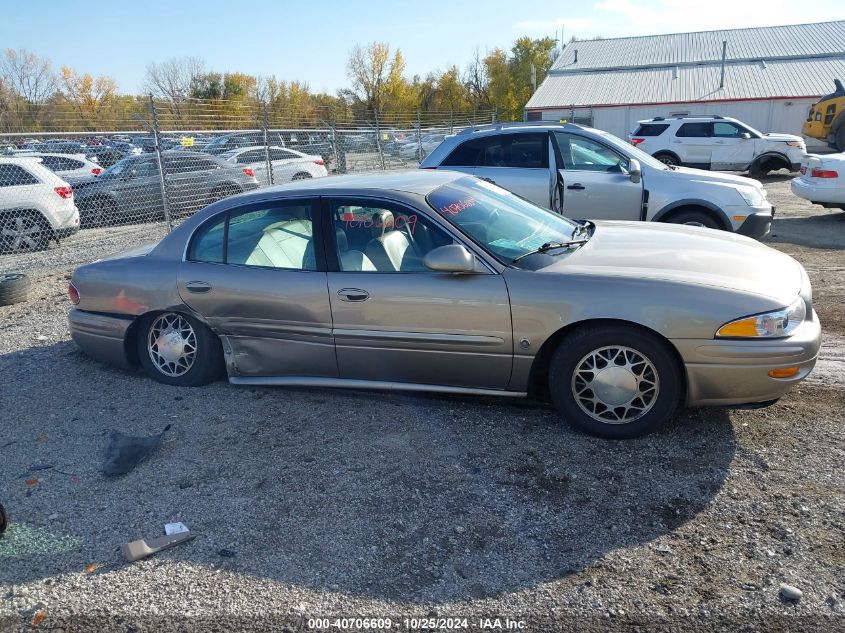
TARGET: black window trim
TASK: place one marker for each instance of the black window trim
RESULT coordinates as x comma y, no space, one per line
316,229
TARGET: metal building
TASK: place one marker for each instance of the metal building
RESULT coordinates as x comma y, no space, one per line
767,77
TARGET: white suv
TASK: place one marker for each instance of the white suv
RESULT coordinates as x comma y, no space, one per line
715,142
35,205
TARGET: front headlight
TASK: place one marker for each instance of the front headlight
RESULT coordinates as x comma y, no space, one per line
752,195
769,325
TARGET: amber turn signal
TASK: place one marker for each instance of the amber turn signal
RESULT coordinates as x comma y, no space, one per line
783,372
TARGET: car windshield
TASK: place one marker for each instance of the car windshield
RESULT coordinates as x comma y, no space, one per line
500,222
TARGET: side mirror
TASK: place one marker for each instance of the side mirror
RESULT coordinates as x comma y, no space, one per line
635,170
746,135
453,258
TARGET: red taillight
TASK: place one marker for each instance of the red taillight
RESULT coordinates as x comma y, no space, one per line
64,192
248,171
73,293
636,141
824,173
319,161
97,171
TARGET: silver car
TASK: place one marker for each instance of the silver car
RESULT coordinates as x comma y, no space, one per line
442,282
585,173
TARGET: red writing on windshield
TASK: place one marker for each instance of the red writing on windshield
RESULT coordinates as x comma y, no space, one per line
456,207
352,221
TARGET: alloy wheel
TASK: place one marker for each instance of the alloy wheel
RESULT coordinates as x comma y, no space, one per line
20,232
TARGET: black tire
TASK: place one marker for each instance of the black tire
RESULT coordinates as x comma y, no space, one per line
301,176
23,231
695,218
14,288
668,159
840,138
206,365
759,169
660,367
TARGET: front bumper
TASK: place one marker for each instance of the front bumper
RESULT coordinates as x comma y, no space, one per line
100,336
732,372
757,225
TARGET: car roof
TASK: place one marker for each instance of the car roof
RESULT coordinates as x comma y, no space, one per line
694,119
418,181
35,153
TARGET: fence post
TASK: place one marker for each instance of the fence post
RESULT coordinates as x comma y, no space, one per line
161,180
378,142
419,134
267,162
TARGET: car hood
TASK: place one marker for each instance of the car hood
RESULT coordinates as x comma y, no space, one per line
684,254
701,175
774,136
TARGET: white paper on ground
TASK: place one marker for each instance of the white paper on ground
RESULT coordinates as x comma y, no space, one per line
174,528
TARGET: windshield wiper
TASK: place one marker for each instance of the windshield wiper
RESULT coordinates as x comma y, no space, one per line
547,247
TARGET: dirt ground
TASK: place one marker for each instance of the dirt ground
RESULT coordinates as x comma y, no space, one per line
314,504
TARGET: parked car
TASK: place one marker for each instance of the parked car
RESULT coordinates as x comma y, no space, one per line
131,188
427,144
589,174
715,142
61,146
74,168
438,281
822,180
287,164
36,205
238,140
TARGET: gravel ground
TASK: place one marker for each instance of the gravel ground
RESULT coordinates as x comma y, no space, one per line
313,503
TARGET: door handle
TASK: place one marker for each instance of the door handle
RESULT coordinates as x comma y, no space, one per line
353,294
577,186
198,286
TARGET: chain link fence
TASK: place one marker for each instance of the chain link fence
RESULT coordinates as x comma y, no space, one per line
70,167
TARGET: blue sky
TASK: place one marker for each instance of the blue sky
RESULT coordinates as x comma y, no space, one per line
310,40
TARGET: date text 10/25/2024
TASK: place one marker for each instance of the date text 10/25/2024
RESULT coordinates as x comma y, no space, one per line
424,623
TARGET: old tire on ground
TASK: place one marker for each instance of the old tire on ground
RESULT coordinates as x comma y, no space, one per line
694,217
615,381
14,288
667,159
23,230
178,350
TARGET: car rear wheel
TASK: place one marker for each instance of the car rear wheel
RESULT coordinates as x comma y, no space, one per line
668,159
695,218
301,176
22,231
615,381
178,350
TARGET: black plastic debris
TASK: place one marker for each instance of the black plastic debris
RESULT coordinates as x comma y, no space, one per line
127,451
3,520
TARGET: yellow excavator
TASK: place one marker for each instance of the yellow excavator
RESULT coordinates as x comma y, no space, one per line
826,120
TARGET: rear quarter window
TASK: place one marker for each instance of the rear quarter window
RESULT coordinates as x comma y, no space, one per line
651,129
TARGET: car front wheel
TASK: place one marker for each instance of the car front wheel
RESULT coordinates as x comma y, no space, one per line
178,350
615,381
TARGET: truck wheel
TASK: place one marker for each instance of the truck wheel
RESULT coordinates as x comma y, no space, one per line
840,139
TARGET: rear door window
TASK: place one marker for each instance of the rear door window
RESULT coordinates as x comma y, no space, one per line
695,130
15,175
525,151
